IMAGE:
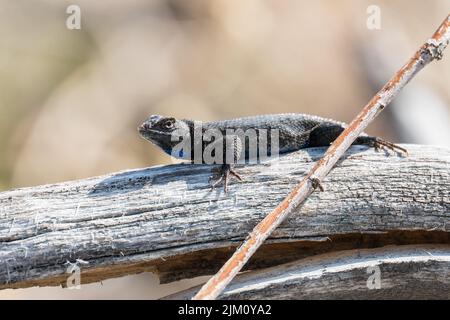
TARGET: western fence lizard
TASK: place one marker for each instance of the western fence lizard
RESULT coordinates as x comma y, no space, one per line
246,140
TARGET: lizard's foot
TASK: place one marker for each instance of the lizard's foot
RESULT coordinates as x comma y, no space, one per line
224,174
379,143
316,184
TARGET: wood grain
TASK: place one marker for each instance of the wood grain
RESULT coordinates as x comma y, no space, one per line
166,220
395,272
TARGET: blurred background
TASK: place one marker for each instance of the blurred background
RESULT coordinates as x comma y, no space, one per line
70,100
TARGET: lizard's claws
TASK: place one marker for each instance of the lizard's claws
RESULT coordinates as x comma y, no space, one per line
224,174
381,144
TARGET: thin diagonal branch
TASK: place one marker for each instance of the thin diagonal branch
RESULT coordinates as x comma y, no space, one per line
428,52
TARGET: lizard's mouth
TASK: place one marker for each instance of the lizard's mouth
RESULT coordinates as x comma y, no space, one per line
146,131
143,128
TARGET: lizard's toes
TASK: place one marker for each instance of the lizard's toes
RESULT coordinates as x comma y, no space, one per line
214,180
383,144
235,174
223,175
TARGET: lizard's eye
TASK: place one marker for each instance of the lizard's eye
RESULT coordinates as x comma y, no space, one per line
168,124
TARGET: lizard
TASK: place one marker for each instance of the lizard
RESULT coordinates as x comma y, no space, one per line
294,131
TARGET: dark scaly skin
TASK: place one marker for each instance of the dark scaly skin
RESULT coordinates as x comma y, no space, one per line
296,131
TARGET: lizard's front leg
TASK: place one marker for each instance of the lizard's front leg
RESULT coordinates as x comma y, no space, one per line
233,147
224,174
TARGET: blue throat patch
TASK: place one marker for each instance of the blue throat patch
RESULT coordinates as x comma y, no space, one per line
168,151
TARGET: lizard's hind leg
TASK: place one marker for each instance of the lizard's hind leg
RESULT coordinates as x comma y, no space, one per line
326,133
379,143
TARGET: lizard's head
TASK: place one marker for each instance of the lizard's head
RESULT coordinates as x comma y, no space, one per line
165,132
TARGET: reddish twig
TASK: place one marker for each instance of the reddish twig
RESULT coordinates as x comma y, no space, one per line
431,50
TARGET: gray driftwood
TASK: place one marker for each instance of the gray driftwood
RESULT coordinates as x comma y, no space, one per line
392,272
166,220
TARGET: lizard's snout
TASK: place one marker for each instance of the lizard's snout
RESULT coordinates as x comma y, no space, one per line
149,123
144,127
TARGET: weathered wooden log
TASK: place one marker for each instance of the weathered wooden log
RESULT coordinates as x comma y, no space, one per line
166,219
393,272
